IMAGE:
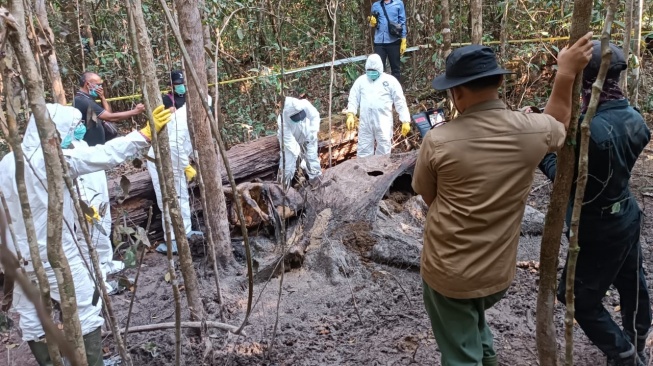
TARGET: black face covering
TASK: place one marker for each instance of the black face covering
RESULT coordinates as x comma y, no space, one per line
298,116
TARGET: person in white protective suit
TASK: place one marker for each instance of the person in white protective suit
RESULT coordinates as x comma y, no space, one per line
93,190
180,150
81,161
300,122
374,94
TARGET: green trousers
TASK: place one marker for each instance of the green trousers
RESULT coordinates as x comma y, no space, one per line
460,329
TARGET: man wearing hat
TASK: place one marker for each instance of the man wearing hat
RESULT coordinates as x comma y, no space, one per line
610,221
181,149
475,173
177,96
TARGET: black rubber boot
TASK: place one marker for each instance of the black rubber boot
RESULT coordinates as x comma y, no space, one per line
40,351
629,358
93,345
641,347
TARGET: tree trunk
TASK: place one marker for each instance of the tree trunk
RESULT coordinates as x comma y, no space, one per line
73,34
50,144
49,53
337,211
635,64
628,31
13,87
190,25
545,332
211,71
504,45
85,29
476,13
581,182
152,96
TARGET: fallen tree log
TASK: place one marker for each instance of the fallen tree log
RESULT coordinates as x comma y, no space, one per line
342,212
250,161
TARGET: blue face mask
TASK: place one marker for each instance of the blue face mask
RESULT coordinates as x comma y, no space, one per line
93,93
180,89
373,74
80,131
66,141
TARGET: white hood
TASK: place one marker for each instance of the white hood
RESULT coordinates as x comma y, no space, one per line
64,118
291,106
374,63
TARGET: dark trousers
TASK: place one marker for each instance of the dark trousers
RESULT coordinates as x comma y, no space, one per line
605,260
390,51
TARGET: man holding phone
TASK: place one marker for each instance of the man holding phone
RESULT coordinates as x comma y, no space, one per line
90,88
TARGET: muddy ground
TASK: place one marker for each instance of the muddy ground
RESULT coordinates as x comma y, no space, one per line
375,316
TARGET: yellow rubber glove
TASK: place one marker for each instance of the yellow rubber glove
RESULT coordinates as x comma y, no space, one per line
372,20
405,128
93,219
350,121
402,47
190,173
161,117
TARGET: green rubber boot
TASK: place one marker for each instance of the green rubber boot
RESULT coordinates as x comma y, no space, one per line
93,345
40,351
490,361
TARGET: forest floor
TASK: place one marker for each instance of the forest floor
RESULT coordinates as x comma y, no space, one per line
375,317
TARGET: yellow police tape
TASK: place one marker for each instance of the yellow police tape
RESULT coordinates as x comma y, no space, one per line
349,60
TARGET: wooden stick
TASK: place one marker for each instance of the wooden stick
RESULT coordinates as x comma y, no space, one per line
165,326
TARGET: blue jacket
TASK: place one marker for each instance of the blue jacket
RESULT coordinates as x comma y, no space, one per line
396,13
618,136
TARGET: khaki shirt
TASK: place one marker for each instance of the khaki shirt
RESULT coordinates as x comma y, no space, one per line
478,169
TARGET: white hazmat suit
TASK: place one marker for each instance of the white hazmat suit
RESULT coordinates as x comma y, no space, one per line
299,138
94,190
375,98
181,148
81,161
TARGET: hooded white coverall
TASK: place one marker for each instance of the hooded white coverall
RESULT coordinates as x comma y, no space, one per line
81,161
93,190
299,138
181,148
375,99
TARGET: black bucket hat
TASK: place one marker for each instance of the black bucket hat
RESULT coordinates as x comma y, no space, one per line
466,64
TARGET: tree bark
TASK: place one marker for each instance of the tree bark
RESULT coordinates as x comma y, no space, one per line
635,64
553,224
628,22
85,29
73,33
152,96
49,53
211,70
476,12
504,44
13,87
190,25
581,182
50,144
